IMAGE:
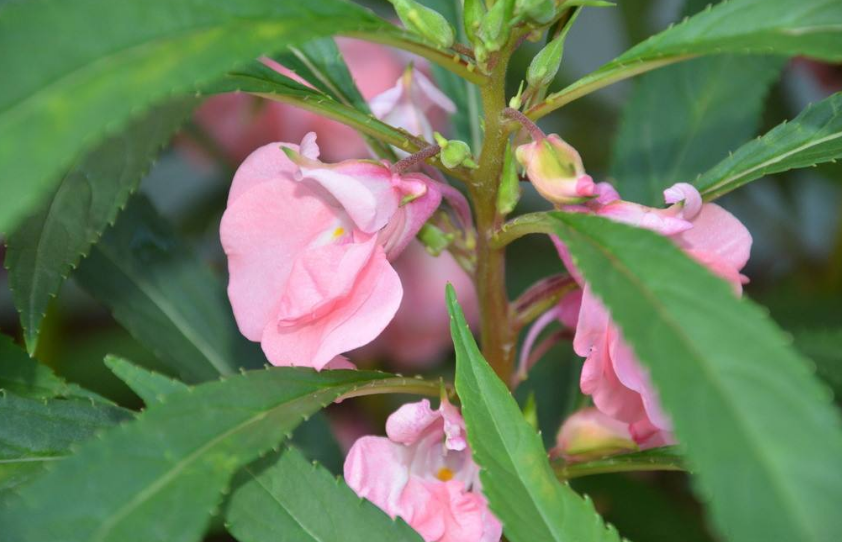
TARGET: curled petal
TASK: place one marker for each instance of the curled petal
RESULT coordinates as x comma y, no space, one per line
410,217
377,470
411,421
686,193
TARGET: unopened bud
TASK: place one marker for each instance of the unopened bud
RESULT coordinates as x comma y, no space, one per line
509,192
472,15
544,65
424,21
590,434
494,28
454,153
556,170
434,239
537,11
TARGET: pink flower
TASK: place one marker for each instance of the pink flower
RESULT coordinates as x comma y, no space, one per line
612,375
590,434
409,104
423,472
420,331
308,246
556,170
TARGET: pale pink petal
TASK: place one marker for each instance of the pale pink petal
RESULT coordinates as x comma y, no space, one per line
538,326
454,427
569,308
567,259
718,231
443,512
646,435
658,220
376,469
410,217
430,96
407,424
268,163
354,321
689,195
340,362
262,232
588,431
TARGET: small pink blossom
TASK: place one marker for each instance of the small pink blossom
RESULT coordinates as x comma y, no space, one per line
409,104
612,375
556,170
306,244
423,472
590,434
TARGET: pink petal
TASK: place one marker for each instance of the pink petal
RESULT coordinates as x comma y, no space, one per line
410,217
354,320
268,163
686,193
538,326
454,427
443,511
718,231
262,231
407,424
377,470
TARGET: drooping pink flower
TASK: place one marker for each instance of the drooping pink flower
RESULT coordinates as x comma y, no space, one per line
308,246
556,170
590,434
612,375
423,472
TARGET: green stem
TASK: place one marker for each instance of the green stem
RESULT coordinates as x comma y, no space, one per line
520,226
657,459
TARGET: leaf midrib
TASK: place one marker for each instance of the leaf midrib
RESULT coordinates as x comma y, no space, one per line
746,426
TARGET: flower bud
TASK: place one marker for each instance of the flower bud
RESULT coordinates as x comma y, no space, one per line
545,64
472,14
424,21
509,192
556,170
454,153
494,28
537,11
590,434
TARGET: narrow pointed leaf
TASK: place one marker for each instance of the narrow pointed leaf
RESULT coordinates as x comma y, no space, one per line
164,296
284,498
516,476
100,63
47,245
807,27
162,476
722,368
150,386
813,137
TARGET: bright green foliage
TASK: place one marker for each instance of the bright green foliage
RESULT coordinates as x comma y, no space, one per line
424,21
101,62
283,498
160,477
164,296
682,119
516,477
806,27
150,386
759,430
46,246
813,137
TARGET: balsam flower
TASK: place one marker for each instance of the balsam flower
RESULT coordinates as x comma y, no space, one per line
423,472
308,248
556,170
590,434
612,375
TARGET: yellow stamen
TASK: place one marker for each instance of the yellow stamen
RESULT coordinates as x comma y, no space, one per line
338,232
444,474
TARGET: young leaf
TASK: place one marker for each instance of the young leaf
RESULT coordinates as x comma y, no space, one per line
808,27
813,137
160,477
150,386
47,245
288,499
24,376
35,432
521,488
758,429
164,296
682,119
100,63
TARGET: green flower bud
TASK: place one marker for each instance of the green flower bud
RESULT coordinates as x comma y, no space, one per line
494,28
434,239
545,64
424,21
509,192
472,15
454,153
537,11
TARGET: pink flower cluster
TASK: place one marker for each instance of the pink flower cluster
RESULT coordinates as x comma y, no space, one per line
423,472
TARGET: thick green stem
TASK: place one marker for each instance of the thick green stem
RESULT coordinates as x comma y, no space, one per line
497,336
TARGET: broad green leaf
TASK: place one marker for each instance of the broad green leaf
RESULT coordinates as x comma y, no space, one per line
521,488
164,296
288,499
807,27
759,430
813,137
36,432
150,386
75,70
162,476
682,119
824,348
24,376
47,245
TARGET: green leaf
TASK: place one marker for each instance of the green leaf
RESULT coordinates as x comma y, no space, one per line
150,386
516,477
47,245
164,296
682,119
99,63
37,432
287,499
757,427
664,458
813,137
26,377
808,27
160,477
824,348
